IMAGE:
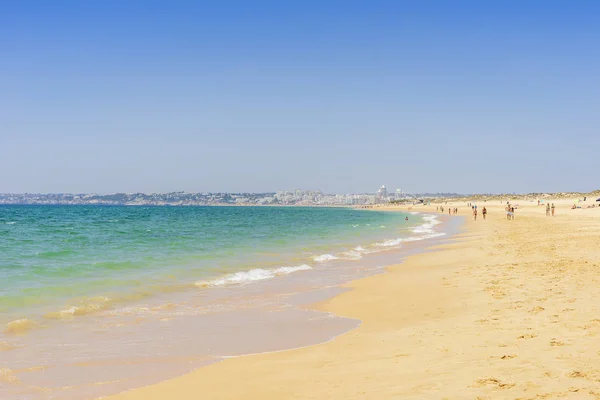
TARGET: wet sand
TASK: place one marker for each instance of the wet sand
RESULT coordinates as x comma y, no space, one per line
509,310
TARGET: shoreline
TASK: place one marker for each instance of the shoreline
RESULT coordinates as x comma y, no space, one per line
291,297
475,317
452,231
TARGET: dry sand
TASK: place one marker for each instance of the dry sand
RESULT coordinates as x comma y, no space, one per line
507,311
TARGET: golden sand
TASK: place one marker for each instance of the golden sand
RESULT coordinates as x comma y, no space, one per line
507,311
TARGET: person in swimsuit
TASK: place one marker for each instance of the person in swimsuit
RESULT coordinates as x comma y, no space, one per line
474,214
548,210
552,209
484,212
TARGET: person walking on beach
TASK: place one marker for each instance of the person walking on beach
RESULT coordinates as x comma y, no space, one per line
474,214
512,213
552,209
547,209
484,212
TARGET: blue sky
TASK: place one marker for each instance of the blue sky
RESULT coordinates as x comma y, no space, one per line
342,96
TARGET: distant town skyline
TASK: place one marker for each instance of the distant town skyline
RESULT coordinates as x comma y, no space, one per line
462,96
295,197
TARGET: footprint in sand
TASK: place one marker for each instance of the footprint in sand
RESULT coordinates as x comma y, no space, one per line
527,336
493,382
577,374
557,343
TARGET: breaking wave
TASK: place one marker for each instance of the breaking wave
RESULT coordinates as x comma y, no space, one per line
325,257
85,307
257,274
20,326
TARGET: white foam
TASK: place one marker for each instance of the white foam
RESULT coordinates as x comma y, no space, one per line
325,257
356,253
11,223
427,227
390,243
289,270
433,235
257,274
424,231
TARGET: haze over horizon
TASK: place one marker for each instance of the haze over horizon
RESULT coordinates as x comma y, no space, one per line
342,97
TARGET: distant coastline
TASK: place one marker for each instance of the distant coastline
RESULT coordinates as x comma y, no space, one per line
281,198
298,198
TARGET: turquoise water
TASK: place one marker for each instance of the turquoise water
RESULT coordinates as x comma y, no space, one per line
54,257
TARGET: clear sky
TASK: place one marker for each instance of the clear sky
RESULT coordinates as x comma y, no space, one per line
342,96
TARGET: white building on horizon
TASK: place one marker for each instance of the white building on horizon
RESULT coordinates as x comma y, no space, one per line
382,193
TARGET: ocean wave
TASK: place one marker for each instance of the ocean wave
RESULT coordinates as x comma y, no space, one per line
427,227
434,235
11,223
390,243
424,231
355,254
325,257
20,326
84,307
55,254
257,274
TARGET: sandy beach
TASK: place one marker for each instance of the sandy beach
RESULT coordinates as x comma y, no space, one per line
508,310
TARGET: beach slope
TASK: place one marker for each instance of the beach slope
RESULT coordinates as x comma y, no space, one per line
507,310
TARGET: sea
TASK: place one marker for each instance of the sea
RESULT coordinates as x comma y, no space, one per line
95,300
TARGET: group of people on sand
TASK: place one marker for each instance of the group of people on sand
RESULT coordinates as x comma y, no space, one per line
510,211
483,212
549,209
451,211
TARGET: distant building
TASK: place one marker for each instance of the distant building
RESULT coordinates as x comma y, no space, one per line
382,193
